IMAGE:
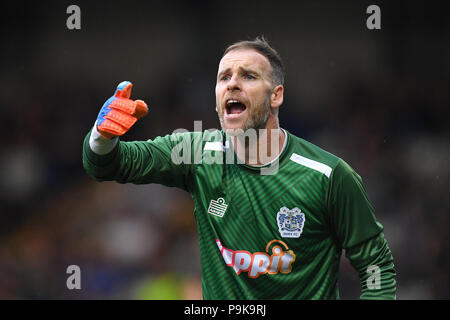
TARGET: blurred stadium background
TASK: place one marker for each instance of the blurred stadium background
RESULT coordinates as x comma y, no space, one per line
379,99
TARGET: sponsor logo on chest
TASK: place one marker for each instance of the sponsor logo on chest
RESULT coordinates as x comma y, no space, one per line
277,259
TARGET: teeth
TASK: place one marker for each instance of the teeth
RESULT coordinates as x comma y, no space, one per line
232,101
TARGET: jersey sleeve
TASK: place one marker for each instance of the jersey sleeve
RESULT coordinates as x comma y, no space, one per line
356,229
165,160
351,214
374,263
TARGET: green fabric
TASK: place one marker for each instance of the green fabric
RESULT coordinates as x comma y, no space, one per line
244,254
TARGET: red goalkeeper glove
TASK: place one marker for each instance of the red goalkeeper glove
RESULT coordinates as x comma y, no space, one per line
119,113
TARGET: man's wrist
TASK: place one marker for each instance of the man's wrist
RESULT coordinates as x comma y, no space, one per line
100,145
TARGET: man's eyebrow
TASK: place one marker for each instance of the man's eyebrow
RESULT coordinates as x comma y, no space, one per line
223,71
246,70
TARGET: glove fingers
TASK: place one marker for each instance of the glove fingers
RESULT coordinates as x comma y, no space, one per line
121,118
110,129
136,108
141,109
123,104
124,90
119,113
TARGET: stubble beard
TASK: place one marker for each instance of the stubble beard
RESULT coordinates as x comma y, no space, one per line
256,121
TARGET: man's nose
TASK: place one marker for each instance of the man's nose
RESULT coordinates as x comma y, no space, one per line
233,84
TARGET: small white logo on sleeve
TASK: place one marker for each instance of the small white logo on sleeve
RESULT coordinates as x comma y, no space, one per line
290,222
217,207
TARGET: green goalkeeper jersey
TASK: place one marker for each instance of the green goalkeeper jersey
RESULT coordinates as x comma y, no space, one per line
263,236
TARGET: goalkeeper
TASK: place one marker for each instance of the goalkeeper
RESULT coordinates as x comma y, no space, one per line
271,225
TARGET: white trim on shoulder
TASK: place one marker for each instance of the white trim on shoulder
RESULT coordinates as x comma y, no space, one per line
213,146
312,164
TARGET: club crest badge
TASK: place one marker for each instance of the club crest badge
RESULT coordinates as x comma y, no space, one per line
290,222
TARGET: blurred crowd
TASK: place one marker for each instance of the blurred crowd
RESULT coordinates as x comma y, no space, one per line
141,242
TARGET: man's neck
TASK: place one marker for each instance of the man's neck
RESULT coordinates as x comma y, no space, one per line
259,147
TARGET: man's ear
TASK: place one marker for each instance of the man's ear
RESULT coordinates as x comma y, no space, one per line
276,99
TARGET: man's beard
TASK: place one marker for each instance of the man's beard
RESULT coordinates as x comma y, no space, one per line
257,120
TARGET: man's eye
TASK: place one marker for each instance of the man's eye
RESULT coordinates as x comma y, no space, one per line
224,78
249,77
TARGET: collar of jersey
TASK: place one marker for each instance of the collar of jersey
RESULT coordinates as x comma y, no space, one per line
279,158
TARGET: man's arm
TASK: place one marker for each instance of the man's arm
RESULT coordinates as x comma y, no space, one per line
139,162
375,265
356,229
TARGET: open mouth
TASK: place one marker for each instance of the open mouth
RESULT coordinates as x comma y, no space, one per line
234,107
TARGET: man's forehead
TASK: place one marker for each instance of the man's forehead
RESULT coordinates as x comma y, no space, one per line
246,58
